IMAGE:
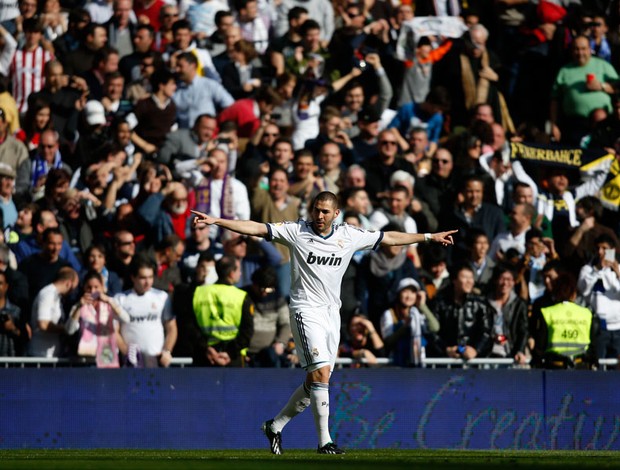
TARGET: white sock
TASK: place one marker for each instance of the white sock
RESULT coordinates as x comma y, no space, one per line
299,401
319,400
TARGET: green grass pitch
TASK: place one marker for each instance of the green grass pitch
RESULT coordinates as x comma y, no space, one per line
377,459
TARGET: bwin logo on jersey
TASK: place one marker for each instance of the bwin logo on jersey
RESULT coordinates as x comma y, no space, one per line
332,260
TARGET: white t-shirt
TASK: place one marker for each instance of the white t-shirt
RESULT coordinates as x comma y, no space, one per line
47,306
147,313
319,263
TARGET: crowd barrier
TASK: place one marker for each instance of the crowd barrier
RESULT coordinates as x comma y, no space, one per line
385,407
478,363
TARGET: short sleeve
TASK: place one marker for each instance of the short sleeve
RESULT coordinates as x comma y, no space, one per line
167,314
283,232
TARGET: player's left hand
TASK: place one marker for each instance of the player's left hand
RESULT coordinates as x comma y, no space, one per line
445,238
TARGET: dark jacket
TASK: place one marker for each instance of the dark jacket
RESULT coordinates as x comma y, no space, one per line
515,323
470,323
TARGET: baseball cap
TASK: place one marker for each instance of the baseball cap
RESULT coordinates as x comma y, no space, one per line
408,282
7,170
95,113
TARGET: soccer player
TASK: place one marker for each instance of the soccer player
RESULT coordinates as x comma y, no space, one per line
320,253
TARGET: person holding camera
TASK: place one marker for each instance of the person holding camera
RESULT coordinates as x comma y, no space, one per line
599,284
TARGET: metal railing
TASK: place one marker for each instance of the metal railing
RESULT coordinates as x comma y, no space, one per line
430,363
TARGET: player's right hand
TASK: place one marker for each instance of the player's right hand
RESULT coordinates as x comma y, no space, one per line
202,218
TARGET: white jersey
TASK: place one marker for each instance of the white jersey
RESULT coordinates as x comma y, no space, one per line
147,313
318,263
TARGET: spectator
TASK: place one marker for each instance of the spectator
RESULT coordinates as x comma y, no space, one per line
554,349
318,10
14,153
254,27
105,62
465,319
479,260
152,330
382,165
283,47
97,316
571,105
46,158
80,60
438,189
356,200
130,64
203,16
7,205
243,76
47,321
509,317
406,325
435,274
95,261
182,44
224,21
362,341
31,245
69,41
168,15
38,119
74,222
41,267
420,151
120,27
247,113
581,247
231,37
599,284
185,144
197,245
196,95
166,212
29,79
66,99
383,269
272,330
123,252
166,256
14,331
520,220
224,314
156,114
473,213
220,194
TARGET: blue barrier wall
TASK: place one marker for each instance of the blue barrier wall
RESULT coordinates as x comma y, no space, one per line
381,408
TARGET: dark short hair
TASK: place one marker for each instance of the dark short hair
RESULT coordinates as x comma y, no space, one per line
225,265
325,196
50,231
265,276
141,262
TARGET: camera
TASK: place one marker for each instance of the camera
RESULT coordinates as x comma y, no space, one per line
276,116
223,140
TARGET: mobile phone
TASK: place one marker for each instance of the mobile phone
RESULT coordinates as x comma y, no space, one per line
610,254
95,295
223,140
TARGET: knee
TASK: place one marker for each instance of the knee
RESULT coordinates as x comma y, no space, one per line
319,375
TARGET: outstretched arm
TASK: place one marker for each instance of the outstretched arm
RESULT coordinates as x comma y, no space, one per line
401,238
245,227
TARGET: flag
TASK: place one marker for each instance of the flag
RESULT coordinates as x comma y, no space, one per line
583,164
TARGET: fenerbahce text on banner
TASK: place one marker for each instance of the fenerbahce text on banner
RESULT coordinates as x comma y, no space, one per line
587,161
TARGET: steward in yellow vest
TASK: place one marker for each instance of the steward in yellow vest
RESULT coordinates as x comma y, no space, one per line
224,314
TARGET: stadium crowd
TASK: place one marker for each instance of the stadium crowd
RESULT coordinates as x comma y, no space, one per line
117,118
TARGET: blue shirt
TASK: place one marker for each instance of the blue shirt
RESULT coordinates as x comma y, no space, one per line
202,96
29,246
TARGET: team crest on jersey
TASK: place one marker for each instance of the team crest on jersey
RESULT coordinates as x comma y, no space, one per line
340,244
315,352
310,240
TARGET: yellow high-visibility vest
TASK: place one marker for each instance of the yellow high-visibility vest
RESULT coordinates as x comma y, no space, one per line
568,327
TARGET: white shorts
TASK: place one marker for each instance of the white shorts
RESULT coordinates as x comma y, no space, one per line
317,337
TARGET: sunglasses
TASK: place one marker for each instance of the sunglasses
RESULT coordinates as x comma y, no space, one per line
388,142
